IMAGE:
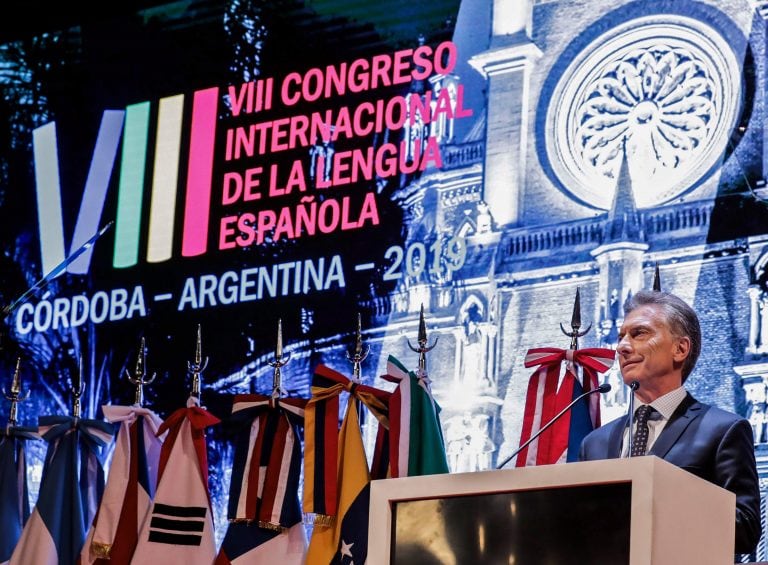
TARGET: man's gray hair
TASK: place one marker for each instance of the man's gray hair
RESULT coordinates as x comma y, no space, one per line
681,318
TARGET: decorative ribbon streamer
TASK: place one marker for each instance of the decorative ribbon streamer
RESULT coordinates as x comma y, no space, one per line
179,527
71,486
544,399
264,512
266,469
417,445
130,488
199,419
321,443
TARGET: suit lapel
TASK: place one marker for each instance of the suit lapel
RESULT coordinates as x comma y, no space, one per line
617,438
687,412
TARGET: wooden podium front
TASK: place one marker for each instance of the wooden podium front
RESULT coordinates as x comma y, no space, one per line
640,511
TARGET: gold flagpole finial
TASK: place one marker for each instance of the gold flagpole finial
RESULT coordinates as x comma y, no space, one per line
422,348
198,365
360,353
15,395
279,362
139,377
575,334
78,388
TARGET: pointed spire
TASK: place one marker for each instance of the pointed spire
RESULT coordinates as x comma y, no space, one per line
279,362
139,377
197,365
422,337
360,353
576,316
422,340
78,387
656,279
15,395
575,334
623,223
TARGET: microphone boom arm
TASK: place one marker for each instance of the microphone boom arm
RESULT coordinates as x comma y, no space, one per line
601,389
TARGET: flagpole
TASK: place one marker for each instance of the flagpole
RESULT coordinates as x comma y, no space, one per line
197,366
575,334
279,362
77,389
57,270
139,377
15,395
357,358
422,348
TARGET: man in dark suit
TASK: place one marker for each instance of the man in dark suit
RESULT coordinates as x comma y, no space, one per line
659,343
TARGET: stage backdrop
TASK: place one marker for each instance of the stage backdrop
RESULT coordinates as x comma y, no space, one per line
230,164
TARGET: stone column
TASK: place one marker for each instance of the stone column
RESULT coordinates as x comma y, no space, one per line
754,318
507,67
762,345
761,9
491,330
754,382
511,17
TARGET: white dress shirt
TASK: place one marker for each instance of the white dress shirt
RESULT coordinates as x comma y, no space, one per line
665,406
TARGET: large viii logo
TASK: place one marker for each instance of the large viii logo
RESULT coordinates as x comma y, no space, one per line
132,124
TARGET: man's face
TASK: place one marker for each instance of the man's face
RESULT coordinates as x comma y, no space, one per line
648,351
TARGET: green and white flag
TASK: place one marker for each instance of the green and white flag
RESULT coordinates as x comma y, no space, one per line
416,446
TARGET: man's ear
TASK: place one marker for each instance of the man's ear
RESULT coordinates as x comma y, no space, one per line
682,349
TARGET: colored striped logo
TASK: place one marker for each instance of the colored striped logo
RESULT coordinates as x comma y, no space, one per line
132,127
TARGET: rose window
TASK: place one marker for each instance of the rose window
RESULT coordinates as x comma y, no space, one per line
666,87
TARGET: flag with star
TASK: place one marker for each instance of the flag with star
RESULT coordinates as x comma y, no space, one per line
179,527
335,541
336,475
70,490
130,487
265,517
14,494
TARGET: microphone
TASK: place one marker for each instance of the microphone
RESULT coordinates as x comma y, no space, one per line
633,386
603,388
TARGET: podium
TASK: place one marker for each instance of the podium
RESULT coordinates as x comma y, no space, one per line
639,511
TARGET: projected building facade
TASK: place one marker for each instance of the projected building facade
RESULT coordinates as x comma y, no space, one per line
606,137
609,137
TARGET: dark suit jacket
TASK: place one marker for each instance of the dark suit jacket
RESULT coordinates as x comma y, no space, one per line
711,443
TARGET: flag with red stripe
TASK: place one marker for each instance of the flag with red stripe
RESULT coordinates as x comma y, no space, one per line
547,396
417,445
266,522
321,449
179,527
130,487
336,474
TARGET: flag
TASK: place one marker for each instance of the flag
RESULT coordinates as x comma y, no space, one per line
70,489
417,446
179,527
130,487
14,495
336,476
265,517
544,400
